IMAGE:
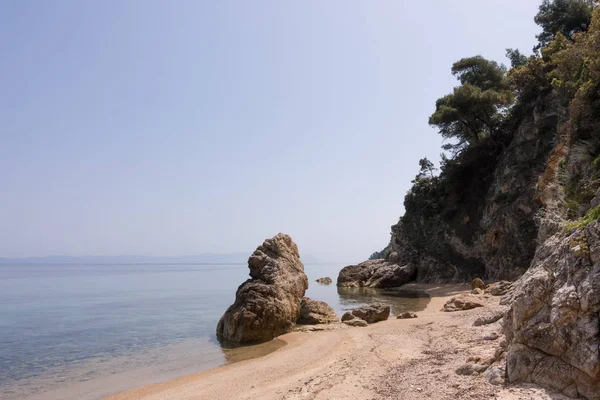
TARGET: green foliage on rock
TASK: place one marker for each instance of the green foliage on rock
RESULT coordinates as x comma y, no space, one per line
473,111
565,16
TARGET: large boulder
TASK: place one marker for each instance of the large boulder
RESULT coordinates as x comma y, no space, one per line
268,304
313,312
462,302
372,313
376,274
553,324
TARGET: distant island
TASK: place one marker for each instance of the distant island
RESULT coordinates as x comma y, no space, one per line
205,258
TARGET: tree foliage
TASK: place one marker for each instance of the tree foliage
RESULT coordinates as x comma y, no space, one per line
474,109
565,16
517,59
426,169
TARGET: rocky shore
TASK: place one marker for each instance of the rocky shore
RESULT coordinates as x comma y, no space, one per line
438,355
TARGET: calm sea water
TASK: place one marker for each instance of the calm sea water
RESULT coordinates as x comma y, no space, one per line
86,331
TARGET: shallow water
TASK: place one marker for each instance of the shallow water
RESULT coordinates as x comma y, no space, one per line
86,331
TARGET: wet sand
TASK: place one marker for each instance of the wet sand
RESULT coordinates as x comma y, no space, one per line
395,359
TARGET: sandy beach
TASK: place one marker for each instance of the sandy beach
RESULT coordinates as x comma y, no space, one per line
395,359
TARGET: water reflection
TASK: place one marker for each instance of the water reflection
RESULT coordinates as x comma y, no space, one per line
237,354
399,300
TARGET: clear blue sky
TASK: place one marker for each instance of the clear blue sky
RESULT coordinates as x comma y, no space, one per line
181,127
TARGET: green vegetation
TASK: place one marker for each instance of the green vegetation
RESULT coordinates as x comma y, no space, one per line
591,216
474,110
565,16
557,88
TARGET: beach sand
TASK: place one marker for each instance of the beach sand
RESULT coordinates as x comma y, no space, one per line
394,359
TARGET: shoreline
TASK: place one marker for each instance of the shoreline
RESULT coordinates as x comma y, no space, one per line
420,354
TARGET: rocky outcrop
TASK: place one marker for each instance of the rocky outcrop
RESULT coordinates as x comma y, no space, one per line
324,281
553,324
314,312
268,304
376,274
462,302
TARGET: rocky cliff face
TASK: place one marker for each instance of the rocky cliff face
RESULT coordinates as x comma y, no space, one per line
553,324
268,304
482,218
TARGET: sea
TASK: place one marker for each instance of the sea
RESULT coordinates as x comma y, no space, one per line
89,331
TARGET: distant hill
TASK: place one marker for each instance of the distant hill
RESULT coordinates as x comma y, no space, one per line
207,258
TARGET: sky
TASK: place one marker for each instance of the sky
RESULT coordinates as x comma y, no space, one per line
178,127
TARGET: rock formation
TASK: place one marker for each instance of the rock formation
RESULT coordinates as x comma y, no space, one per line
351,320
477,283
313,312
324,281
370,313
268,304
407,315
553,324
462,302
376,274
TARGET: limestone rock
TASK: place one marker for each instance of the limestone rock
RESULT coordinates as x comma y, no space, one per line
313,312
324,281
499,288
376,274
471,369
553,325
489,318
494,375
477,283
462,302
356,322
477,291
407,315
268,304
347,316
372,313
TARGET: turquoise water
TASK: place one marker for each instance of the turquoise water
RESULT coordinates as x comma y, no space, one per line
67,326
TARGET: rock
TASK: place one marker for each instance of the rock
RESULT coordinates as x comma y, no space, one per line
324,281
313,312
462,302
499,288
477,291
372,313
268,304
489,318
471,369
347,316
553,324
407,315
494,375
477,283
356,322
491,336
376,274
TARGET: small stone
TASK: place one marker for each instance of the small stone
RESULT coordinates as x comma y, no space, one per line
489,318
494,375
477,283
356,322
407,315
324,281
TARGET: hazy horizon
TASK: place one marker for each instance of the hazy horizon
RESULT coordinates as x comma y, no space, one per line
166,128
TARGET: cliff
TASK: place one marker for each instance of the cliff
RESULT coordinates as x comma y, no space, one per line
527,173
